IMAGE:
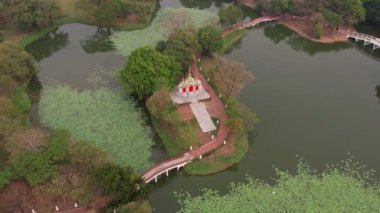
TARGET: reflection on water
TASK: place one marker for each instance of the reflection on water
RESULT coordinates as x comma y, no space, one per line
377,91
53,42
81,49
98,42
204,4
278,33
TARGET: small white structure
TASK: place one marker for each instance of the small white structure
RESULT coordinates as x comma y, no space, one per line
190,86
189,90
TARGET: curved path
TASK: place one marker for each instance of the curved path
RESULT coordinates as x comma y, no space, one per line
185,158
252,23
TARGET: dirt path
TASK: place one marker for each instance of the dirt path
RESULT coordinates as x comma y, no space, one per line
303,26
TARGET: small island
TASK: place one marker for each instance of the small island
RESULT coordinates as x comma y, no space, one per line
106,106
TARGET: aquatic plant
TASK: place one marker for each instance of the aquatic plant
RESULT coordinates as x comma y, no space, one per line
103,117
126,41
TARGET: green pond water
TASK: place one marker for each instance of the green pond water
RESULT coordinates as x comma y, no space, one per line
317,101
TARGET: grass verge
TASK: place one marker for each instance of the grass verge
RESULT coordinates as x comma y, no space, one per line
216,162
230,40
173,142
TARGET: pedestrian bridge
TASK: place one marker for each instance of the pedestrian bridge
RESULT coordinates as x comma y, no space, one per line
368,39
257,21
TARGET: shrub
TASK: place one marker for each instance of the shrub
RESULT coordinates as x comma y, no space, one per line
318,29
21,100
57,149
5,177
36,168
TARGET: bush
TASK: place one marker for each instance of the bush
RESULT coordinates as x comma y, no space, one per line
318,29
21,100
57,149
333,19
36,168
5,177
15,61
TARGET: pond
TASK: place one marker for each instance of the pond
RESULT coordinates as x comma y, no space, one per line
317,101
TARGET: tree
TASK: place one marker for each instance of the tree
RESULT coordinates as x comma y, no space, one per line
36,14
176,20
318,29
162,107
230,15
372,8
230,76
235,117
147,69
93,157
15,61
120,183
32,139
36,168
211,39
183,46
332,18
352,11
5,177
108,11
10,119
342,188
279,6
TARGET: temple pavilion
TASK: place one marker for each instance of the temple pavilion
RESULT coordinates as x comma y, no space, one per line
190,91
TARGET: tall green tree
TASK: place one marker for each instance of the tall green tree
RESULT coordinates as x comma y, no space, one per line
36,14
352,11
230,15
183,46
120,183
15,62
211,39
147,69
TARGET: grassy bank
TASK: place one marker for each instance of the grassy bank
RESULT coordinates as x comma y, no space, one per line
230,40
216,162
173,142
